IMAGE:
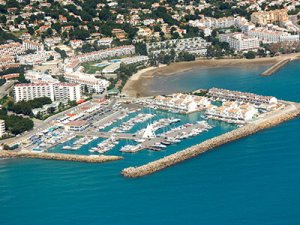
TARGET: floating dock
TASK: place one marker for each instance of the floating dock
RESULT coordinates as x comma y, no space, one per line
291,111
59,156
275,67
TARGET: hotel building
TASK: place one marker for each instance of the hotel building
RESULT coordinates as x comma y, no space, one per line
270,36
56,92
239,41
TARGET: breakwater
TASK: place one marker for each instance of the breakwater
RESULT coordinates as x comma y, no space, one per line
58,156
290,112
275,67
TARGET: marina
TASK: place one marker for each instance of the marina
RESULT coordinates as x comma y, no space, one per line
157,124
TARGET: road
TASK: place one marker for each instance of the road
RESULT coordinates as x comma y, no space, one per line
6,88
294,20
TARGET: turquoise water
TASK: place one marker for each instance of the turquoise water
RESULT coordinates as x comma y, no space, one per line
255,180
217,129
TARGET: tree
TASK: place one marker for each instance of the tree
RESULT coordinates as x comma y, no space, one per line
250,55
141,48
30,30
51,110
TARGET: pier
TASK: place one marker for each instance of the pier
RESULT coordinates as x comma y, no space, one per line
58,156
291,111
275,67
100,134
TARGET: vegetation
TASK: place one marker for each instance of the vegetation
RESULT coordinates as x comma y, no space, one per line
4,36
25,108
250,55
2,81
15,124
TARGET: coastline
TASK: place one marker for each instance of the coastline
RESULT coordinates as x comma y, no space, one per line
137,85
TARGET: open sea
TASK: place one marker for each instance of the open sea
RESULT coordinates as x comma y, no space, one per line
255,180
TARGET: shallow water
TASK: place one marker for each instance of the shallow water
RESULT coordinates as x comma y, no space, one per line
255,180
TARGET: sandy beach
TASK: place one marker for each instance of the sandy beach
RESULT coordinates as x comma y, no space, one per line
137,85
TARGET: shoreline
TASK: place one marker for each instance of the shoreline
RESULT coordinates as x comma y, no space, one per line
272,120
137,85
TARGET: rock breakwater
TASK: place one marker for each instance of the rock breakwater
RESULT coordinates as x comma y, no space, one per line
272,120
58,156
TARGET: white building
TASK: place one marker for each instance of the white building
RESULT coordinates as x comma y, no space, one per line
2,128
112,68
240,42
74,62
269,36
13,48
92,83
105,42
54,91
39,77
196,45
232,112
37,58
30,45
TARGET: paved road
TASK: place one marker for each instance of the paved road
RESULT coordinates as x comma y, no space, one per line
6,88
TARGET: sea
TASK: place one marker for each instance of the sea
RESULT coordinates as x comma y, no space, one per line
255,180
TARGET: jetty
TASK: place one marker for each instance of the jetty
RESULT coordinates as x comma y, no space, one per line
275,67
58,156
291,111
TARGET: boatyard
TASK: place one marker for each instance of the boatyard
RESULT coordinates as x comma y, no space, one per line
103,130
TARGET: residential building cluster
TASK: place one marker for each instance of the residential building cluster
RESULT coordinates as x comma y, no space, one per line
228,95
112,68
39,77
181,102
38,57
196,45
232,112
269,17
54,91
270,36
74,63
87,81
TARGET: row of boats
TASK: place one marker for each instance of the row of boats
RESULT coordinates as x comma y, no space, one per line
80,142
105,145
173,136
109,123
128,125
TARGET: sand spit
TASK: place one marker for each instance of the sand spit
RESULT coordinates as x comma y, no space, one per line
292,111
58,156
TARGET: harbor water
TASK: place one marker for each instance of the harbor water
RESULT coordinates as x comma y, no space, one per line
255,180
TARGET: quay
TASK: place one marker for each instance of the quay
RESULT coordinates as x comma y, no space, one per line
57,156
275,67
292,110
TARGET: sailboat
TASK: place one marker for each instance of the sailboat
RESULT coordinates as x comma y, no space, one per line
149,132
